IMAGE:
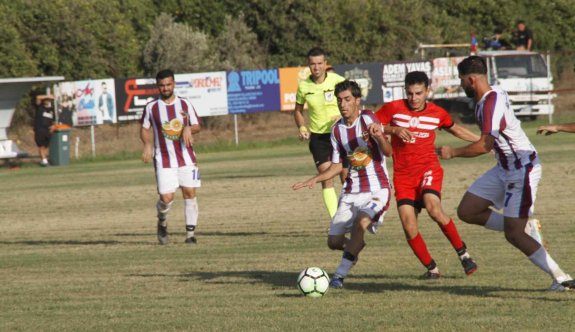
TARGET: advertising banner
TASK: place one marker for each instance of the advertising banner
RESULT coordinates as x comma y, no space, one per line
253,91
368,77
132,96
393,76
206,91
87,103
445,78
289,80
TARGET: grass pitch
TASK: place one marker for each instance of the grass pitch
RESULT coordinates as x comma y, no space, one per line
78,252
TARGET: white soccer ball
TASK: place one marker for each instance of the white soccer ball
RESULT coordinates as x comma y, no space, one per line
313,282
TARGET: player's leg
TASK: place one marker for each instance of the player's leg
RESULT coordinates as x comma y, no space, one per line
189,180
432,204
365,208
167,181
521,193
475,206
406,192
408,216
320,148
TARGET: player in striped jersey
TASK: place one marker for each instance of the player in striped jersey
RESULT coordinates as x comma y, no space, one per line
417,173
510,185
357,136
173,121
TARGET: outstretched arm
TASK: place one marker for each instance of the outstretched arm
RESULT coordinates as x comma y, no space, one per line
332,171
554,129
482,146
462,133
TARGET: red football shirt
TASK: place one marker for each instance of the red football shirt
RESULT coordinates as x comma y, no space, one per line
421,150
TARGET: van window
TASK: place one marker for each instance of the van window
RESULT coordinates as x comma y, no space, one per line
520,66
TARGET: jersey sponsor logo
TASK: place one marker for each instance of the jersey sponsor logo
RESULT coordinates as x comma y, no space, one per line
172,129
360,158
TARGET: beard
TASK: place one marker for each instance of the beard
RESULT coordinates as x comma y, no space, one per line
469,92
167,95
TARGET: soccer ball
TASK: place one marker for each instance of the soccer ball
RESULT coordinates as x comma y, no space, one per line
313,282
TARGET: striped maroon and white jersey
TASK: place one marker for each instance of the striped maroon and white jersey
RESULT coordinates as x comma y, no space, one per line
495,117
367,170
167,122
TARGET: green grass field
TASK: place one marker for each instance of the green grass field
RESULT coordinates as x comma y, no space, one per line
78,252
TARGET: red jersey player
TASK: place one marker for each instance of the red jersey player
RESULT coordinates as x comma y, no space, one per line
417,172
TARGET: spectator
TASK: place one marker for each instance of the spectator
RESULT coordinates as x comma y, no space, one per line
497,42
522,37
43,120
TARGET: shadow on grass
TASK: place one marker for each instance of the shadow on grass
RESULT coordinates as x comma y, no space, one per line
409,283
61,242
199,234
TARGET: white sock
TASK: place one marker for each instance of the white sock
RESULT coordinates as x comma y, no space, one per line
495,222
163,209
542,259
344,267
191,213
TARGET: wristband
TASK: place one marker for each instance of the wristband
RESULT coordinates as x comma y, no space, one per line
303,129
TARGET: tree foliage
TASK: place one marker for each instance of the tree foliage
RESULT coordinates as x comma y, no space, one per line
111,38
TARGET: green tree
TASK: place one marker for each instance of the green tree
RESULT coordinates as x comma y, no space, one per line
237,46
177,46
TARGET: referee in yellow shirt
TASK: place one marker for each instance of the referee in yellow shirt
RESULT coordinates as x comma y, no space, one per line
318,92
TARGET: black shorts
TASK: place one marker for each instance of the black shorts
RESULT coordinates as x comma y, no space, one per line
321,149
42,137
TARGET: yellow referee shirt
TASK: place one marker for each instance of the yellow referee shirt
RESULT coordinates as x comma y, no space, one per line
321,102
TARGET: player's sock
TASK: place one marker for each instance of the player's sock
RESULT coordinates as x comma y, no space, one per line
163,209
330,200
191,215
420,250
345,265
450,232
544,261
462,251
495,222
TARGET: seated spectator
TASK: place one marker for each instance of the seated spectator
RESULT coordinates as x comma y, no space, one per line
522,37
497,42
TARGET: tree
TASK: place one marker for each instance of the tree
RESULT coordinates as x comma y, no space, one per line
177,46
237,46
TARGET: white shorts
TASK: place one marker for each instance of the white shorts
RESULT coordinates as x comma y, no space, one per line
514,191
170,179
374,204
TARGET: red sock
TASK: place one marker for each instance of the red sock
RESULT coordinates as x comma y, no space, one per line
450,232
420,250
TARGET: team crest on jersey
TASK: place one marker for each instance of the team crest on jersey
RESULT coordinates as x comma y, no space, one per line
328,95
360,158
172,129
414,122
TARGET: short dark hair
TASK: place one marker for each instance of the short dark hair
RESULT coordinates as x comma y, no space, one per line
348,85
316,51
164,73
472,65
520,22
416,77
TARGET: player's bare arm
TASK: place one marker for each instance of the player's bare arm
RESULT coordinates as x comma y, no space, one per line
333,170
188,132
303,132
375,131
400,132
146,137
482,146
462,133
554,129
